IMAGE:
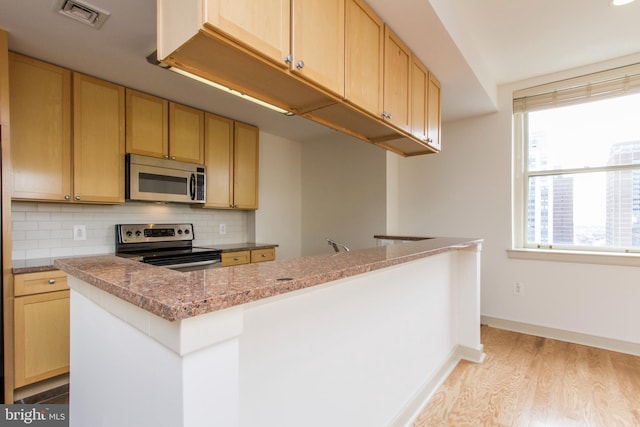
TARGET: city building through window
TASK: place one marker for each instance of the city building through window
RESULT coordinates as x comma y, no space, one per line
577,164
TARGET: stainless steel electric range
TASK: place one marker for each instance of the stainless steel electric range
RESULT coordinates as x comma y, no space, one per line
165,245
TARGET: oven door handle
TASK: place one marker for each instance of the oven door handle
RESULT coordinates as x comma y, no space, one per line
192,264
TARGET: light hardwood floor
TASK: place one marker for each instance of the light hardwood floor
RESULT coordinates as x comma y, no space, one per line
534,382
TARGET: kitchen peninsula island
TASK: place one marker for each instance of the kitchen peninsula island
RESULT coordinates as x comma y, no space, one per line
359,338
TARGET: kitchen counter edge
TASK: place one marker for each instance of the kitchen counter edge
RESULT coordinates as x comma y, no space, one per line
173,295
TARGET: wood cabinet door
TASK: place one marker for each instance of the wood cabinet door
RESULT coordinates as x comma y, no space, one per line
40,102
397,60
41,337
245,167
147,124
419,99
186,133
98,140
317,42
434,113
218,157
262,26
364,57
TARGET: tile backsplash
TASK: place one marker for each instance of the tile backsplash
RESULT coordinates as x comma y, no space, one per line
43,230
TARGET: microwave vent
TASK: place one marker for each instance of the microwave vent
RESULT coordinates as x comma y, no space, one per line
83,12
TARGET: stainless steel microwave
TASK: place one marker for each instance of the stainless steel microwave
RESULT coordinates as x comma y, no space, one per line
163,180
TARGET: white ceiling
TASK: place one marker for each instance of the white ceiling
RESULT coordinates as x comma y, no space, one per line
471,45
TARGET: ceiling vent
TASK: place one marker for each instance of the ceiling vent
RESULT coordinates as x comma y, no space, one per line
83,12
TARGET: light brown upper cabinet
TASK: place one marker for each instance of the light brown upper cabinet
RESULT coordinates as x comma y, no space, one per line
397,71
262,26
245,166
364,57
159,128
434,111
317,45
425,105
147,124
186,133
46,165
419,99
98,140
231,157
345,69
40,102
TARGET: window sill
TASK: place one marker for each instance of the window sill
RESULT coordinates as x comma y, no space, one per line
605,258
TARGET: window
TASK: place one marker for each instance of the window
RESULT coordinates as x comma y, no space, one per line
577,168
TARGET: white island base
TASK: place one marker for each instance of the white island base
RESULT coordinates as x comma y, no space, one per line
367,350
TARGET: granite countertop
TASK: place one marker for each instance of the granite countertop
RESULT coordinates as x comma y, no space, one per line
174,295
33,265
36,265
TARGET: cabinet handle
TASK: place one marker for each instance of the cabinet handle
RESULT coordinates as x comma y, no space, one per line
166,156
173,157
386,115
77,197
235,258
52,281
429,140
300,65
264,255
67,197
288,59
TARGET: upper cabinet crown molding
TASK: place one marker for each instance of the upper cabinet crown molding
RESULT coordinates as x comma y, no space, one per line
321,59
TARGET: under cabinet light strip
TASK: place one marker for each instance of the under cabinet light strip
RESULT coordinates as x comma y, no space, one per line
153,60
231,91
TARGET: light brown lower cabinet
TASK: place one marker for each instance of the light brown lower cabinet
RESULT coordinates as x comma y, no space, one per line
41,326
246,257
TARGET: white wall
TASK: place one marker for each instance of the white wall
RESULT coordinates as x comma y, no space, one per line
279,217
466,191
343,193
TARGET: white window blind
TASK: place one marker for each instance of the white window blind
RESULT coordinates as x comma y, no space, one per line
606,84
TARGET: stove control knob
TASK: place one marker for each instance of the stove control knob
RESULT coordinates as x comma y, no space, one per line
186,231
129,233
179,231
138,233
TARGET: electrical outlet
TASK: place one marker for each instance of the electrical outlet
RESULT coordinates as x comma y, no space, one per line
518,289
79,232
223,229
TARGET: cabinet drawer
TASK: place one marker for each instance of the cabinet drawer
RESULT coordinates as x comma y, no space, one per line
260,255
40,282
235,258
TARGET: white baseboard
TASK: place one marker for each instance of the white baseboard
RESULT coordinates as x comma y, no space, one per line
563,335
416,404
475,355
